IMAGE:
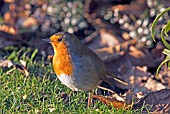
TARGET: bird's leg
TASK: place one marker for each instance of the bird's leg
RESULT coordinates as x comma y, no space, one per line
89,98
69,100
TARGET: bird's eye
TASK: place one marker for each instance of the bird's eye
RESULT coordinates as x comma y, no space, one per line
60,39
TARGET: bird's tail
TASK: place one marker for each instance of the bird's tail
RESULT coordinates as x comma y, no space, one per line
113,79
115,84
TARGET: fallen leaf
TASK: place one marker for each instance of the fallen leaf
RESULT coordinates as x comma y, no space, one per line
6,63
110,101
8,29
31,21
51,109
157,102
141,58
23,63
24,68
108,39
9,1
154,85
8,18
108,54
136,7
26,72
139,95
103,39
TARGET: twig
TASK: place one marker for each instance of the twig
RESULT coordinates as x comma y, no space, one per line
106,89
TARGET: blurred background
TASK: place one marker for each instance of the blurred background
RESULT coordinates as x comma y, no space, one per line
117,30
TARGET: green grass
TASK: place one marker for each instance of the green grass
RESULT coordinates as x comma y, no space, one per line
41,91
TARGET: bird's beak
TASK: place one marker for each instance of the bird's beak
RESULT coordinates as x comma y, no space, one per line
47,40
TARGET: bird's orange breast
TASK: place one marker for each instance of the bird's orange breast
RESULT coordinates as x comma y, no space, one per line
62,61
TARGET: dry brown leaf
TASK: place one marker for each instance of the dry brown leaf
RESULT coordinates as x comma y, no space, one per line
141,58
154,85
108,39
139,95
108,54
23,63
8,18
31,21
157,102
101,38
24,68
110,101
6,63
136,52
27,73
9,1
8,29
136,7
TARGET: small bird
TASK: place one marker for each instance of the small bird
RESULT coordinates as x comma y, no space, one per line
77,66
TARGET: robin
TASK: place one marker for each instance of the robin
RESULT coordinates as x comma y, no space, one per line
75,65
